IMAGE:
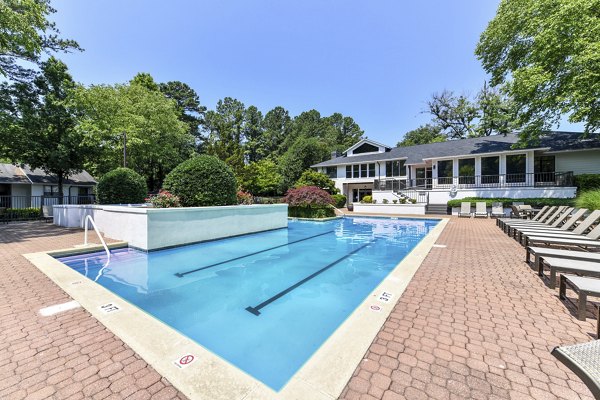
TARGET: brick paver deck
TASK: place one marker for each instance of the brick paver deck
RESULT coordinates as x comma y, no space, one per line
475,322
66,356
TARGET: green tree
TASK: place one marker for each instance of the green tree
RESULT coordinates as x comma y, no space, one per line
225,129
497,113
146,80
299,157
422,135
262,178
546,53
41,123
344,132
156,139
253,132
318,179
277,125
188,104
25,34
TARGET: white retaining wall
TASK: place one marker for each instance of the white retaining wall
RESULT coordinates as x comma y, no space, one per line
155,228
395,209
443,196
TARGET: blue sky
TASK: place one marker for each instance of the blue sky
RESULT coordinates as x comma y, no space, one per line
377,62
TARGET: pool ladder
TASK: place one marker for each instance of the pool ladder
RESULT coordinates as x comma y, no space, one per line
88,218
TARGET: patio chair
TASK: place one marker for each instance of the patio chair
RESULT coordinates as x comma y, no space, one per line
576,234
553,229
481,209
465,209
542,218
540,213
516,212
589,241
47,213
543,221
497,209
540,252
578,267
582,359
554,221
583,287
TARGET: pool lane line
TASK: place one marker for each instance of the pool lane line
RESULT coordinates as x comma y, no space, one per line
182,274
256,310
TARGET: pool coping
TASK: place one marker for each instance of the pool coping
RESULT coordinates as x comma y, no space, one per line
323,376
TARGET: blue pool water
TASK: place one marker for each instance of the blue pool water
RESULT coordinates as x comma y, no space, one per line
264,302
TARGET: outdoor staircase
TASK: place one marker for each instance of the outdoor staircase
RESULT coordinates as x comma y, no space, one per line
438,209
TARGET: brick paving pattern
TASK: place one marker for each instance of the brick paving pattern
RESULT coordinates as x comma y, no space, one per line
474,323
69,355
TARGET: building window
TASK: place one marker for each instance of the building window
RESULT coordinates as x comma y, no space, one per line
445,172
348,171
466,171
50,190
490,169
331,172
365,148
355,171
544,167
516,166
363,170
395,168
372,170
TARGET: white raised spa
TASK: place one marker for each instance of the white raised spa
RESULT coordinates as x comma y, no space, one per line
156,228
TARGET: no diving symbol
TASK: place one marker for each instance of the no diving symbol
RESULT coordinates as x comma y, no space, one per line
185,360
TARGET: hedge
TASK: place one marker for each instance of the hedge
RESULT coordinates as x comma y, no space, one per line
203,181
122,186
21,213
340,200
534,202
587,182
311,212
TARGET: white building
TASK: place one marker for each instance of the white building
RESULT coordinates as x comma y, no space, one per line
479,167
22,187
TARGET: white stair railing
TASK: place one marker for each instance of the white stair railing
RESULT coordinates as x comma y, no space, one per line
88,218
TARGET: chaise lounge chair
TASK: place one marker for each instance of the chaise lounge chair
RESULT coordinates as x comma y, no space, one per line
481,209
582,359
584,241
465,209
538,252
555,265
541,217
497,210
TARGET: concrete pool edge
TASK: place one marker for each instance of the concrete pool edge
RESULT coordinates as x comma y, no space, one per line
323,376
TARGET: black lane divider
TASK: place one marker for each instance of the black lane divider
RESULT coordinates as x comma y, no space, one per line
182,274
255,310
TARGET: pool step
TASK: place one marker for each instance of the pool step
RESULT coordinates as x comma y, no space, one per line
438,209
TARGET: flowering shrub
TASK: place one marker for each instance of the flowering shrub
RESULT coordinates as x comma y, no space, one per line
309,202
244,197
308,196
164,199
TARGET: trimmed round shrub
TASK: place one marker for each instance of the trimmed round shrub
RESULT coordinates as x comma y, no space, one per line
367,199
203,181
340,200
121,186
587,182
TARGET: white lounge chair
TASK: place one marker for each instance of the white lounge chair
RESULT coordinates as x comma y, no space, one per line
481,209
497,210
465,209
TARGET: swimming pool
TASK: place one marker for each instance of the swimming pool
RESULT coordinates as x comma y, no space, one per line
264,302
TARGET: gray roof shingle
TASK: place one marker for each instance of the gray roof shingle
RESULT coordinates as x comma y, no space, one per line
552,141
13,174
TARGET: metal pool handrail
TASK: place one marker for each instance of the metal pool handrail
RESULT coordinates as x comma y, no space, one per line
85,238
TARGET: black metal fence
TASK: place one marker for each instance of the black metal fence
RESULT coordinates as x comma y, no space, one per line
20,208
533,179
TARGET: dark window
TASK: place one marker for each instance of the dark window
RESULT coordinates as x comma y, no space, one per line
445,169
466,171
365,148
544,167
348,171
490,169
371,170
355,173
395,168
331,172
363,170
515,168
50,190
